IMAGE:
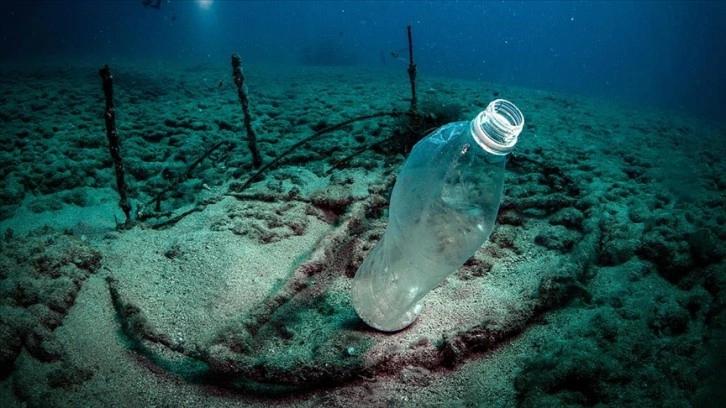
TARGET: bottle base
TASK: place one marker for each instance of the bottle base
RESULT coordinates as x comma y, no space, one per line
376,319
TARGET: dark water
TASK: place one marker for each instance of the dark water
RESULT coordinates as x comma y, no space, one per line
661,54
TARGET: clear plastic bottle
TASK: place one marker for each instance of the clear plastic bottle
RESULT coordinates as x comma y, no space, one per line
443,208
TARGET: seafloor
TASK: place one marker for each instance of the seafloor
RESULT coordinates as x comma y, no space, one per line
602,284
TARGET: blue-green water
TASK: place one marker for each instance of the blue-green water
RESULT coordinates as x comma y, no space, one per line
665,53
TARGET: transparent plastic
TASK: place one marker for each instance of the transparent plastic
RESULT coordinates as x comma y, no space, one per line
443,208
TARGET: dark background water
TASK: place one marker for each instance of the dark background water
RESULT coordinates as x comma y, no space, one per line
663,54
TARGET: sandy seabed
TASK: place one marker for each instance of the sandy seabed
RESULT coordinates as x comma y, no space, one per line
602,284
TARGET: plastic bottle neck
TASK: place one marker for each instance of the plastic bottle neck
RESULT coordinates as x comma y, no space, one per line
496,129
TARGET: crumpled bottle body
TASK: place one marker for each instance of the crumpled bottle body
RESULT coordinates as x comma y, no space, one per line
442,209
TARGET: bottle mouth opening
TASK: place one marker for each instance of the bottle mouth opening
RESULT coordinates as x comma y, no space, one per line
497,128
